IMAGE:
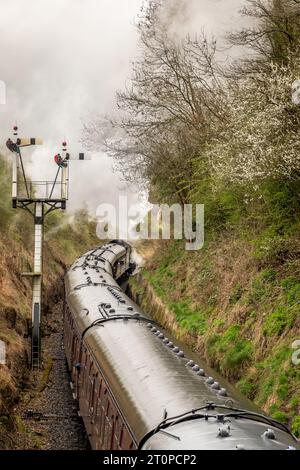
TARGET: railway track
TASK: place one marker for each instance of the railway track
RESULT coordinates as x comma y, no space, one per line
48,412
119,359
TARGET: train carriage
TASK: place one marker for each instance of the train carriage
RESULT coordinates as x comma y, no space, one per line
135,388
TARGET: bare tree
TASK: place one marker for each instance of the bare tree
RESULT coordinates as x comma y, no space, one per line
274,34
165,115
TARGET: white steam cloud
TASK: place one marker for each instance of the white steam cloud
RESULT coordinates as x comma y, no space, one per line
61,59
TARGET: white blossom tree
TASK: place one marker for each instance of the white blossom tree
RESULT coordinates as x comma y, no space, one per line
260,138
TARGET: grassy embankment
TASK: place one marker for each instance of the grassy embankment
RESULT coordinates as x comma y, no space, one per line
238,298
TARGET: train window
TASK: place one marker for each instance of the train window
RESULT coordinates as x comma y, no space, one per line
87,371
99,413
96,388
89,383
83,358
117,432
91,377
127,442
73,346
103,407
113,427
95,397
107,435
76,349
111,431
102,430
112,418
82,366
84,372
110,422
107,429
107,404
120,442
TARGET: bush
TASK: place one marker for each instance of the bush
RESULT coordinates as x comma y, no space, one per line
188,319
233,350
281,417
276,323
296,426
240,353
273,250
247,387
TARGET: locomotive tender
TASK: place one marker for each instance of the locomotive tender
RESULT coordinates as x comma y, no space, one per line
135,388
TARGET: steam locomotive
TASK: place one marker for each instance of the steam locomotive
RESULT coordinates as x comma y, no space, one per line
137,389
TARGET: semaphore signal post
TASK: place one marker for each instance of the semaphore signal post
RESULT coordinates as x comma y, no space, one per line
39,198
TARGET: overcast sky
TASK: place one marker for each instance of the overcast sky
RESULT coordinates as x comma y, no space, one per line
61,59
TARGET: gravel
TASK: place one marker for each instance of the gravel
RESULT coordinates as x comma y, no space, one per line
48,410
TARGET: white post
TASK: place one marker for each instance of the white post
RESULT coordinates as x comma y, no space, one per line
15,175
37,283
65,183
